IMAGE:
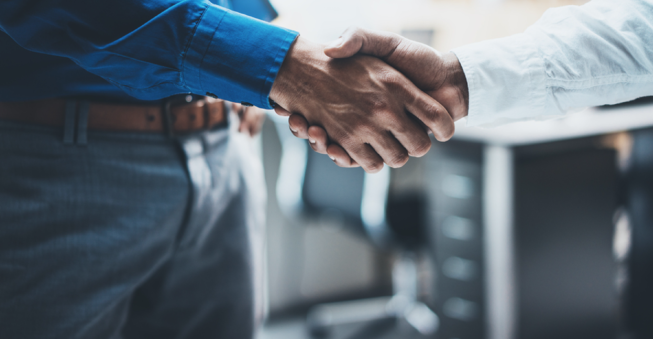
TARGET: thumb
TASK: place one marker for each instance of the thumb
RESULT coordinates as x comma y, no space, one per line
358,40
345,46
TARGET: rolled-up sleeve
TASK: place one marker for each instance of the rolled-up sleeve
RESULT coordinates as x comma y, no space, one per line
154,49
574,57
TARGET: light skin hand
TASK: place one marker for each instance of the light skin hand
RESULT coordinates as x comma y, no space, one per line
361,103
439,75
251,119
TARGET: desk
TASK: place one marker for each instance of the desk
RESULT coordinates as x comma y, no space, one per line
589,122
494,178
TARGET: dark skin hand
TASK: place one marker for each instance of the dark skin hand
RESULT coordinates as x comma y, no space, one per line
362,103
439,75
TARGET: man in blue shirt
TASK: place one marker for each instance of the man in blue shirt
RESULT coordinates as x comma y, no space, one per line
149,50
128,206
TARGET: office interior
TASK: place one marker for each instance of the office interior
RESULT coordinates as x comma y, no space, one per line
529,230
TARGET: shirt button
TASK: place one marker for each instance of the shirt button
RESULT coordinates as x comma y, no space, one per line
246,104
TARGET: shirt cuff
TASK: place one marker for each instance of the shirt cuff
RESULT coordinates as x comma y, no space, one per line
235,57
506,80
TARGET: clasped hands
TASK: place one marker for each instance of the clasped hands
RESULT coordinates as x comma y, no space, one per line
370,97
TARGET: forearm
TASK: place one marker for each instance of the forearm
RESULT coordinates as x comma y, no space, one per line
574,57
157,48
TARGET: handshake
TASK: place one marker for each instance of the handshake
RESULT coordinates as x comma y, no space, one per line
370,97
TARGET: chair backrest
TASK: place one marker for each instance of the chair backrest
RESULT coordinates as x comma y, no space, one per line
333,192
312,186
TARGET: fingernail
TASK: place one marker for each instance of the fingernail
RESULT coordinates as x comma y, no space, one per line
311,140
294,131
335,44
332,158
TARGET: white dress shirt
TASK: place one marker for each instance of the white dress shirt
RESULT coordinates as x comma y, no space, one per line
573,57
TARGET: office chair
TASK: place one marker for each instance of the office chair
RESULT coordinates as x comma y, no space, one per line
310,186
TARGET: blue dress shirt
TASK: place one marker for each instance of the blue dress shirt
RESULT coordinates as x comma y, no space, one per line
146,49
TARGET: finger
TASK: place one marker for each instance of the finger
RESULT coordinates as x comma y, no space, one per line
347,45
390,150
281,111
257,124
298,125
366,156
340,157
236,107
412,134
244,114
244,124
427,110
251,120
358,40
318,139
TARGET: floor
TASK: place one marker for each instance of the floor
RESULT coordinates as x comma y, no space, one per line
294,328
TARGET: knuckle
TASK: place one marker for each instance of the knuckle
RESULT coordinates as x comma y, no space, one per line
390,78
433,115
436,118
367,130
379,105
347,140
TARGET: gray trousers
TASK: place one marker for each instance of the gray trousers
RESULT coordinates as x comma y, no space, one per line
129,235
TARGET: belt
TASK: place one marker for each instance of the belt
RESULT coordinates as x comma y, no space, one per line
169,117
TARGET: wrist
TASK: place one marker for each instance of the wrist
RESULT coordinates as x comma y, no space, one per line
456,79
301,55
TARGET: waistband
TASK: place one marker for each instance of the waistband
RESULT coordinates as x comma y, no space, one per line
176,115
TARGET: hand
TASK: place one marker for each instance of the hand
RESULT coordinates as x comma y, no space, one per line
361,103
440,76
251,119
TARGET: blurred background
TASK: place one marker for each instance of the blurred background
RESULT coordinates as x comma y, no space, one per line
530,230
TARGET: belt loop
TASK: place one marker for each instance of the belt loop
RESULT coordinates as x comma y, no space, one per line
166,115
69,122
82,123
207,115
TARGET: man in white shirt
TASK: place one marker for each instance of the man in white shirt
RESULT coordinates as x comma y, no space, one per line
573,57
576,56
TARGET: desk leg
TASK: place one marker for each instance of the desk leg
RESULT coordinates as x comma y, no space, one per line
499,246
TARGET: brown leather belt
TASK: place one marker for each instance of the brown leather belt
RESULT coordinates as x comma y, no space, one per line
184,117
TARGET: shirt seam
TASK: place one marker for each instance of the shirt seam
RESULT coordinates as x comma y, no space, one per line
599,81
189,42
140,88
537,70
201,65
